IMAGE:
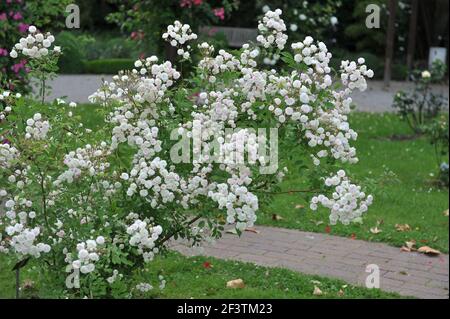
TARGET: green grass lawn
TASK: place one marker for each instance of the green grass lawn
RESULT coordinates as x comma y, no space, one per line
190,278
409,198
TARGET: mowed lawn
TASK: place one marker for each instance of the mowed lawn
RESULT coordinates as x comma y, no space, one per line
399,171
204,278
400,174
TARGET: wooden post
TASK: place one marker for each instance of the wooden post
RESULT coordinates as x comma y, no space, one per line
392,5
412,35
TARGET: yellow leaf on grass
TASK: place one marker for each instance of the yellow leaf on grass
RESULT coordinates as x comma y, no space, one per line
402,227
277,217
410,244
445,213
236,284
375,230
317,291
428,251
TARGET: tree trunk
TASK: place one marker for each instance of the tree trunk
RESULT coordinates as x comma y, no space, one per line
390,42
412,35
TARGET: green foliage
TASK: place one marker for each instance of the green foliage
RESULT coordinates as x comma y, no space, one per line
45,14
101,54
421,105
189,278
107,66
361,38
437,133
144,20
314,18
72,59
401,175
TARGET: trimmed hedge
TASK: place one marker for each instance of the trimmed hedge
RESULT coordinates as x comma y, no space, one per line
107,66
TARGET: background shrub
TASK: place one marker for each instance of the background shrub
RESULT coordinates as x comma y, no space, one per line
108,66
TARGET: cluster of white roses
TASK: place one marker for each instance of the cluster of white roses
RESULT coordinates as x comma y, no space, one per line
87,159
36,45
146,101
23,240
143,236
347,201
37,128
353,74
272,30
114,276
83,261
178,35
8,98
144,287
8,154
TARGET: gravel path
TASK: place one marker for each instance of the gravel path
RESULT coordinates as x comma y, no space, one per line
409,274
77,88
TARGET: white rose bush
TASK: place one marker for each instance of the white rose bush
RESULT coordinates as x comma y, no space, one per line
93,207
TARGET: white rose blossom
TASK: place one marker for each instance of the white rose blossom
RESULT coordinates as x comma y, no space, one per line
89,192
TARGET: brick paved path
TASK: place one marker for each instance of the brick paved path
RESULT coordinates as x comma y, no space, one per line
409,274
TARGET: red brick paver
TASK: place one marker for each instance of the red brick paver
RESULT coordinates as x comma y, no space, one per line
409,274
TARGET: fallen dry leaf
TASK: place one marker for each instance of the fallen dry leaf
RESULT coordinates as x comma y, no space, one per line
299,206
236,284
252,230
277,217
405,249
410,244
317,291
341,293
428,251
402,227
445,213
28,284
232,231
375,230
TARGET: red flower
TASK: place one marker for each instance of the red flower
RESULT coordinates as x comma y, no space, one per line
207,265
328,229
353,236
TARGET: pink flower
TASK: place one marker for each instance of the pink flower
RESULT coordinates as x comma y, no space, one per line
17,16
185,3
220,13
23,27
3,16
189,3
